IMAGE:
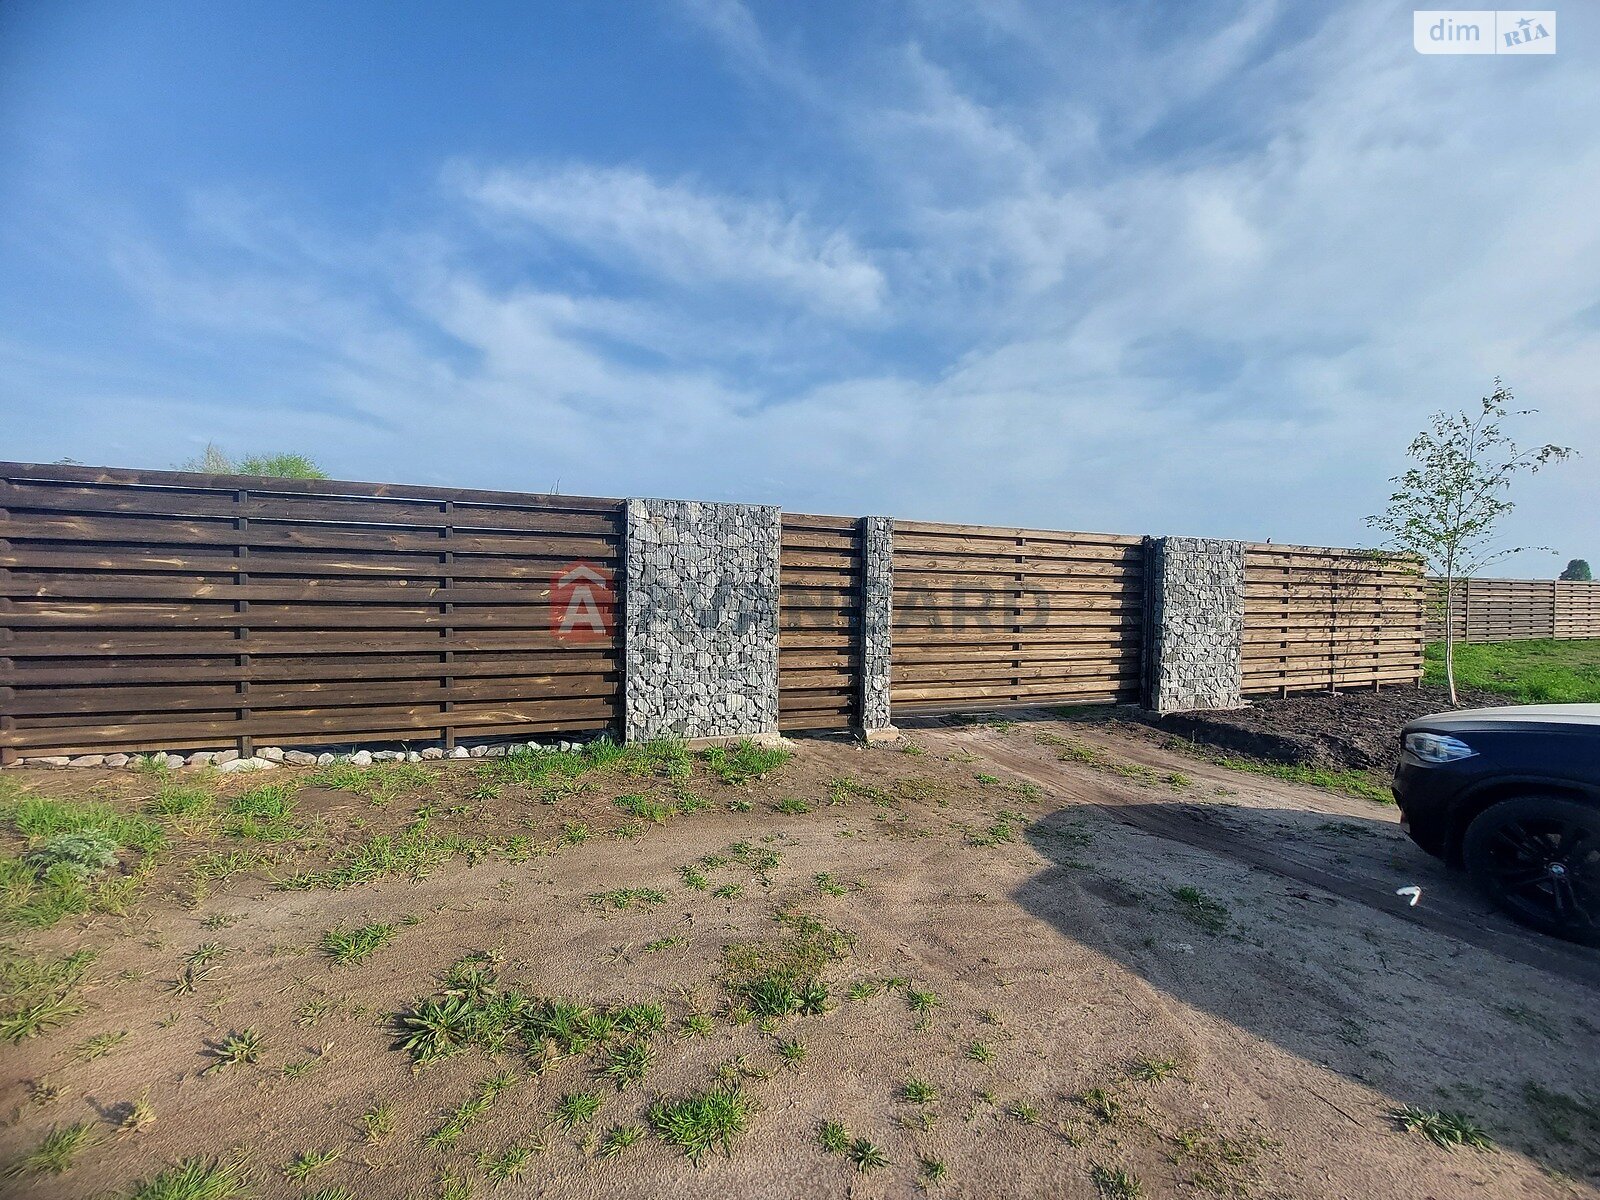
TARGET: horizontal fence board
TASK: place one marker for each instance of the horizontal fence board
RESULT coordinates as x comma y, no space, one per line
1317,619
1504,610
820,566
170,610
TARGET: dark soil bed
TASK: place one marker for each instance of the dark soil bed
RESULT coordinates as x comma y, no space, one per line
1348,731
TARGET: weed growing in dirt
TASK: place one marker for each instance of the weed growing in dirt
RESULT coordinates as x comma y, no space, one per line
829,886
234,1050
743,761
195,1179
619,1138
1115,1183
1154,1070
574,833
100,1045
136,1116
626,1064
264,814
308,1162
792,806
864,989
509,1163
792,1052
1003,830
575,1108
1102,1104
980,1052
697,1024
933,1169
1561,1115
922,1000
728,891
414,853
454,1187
666,943
834,1137
39,993
865,1155
54,1153
39,817
620,898
379,783
646,809
1201,910
470,1110
1446,1129
694,878
918,1091
350,946
702,1121
1022,1111
192,802
377,1123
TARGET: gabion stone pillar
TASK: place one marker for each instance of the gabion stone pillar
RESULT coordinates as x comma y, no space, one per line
701,620
877,626
1194,632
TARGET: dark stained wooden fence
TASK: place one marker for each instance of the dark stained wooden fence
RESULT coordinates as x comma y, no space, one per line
1512,610
987,617
1317,618
819,622
147,610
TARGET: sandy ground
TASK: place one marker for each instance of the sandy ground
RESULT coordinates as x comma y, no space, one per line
1036,898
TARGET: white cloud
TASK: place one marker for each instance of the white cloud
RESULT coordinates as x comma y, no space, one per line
690,238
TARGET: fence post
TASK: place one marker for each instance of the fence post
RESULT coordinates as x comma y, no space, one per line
1194,634
877,628
701,620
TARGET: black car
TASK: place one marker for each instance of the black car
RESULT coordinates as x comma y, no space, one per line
1513,795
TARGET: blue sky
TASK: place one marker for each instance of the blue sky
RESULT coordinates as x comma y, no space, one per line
1188,268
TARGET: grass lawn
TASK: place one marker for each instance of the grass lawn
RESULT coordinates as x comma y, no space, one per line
1537,672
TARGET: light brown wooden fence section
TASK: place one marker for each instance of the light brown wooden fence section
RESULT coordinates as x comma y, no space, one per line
988,617
1512,610
819,622
1317,618
144,610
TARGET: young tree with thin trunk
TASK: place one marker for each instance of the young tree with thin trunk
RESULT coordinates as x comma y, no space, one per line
1446,508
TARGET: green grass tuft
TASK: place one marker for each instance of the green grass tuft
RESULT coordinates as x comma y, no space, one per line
195,1179
1446,1129
702,1121
743,761
352,945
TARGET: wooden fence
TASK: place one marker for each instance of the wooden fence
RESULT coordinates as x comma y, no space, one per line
819,622
165,610
985,617
1318,618
1509,610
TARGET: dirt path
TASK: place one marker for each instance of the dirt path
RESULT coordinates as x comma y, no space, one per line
1448,906
1081,993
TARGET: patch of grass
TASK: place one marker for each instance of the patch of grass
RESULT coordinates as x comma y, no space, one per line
195,1178
922,1000
793,1052
1539,671
235,1049
379,782
308,1162
1446,1129
576,1108
509,1164
666,943
1115,1183
620,898
792,805
414,853
694,878
933,1169
1561,1115
574,833
54,1153
264,813
454,1187
1201,910
1154,1070
834,1137
743,761
864,989
1365,784
626,1063
646,809
697,1024
350,946
865,1155
1004,829
918,1091
980,1052
829,886
450,1131
39,993
619,1138
728,891
377,1123
702,1121
100,1045
39,817
1102,1104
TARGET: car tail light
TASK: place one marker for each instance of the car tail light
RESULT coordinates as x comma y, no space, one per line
1437,747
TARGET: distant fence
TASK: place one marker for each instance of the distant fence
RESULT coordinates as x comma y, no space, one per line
171,611
1316,618
1507,610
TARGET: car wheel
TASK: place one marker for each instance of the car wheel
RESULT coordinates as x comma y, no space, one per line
1538,858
